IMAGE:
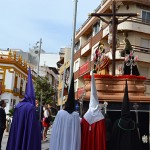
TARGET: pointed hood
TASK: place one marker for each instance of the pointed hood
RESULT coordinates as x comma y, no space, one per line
125,121
125,112
70,103
94,113
29,94
93,98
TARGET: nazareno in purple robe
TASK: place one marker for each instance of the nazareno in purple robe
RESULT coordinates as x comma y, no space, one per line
25,133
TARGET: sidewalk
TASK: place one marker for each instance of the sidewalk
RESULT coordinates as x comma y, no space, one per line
45,145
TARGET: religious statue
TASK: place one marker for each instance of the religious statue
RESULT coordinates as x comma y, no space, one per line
130,63
127,49
101,61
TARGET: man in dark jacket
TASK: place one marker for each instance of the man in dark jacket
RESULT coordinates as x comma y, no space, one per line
2,119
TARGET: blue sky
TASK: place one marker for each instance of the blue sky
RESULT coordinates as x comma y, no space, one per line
24,22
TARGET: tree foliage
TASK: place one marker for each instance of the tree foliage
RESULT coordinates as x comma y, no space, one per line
44,88
11,112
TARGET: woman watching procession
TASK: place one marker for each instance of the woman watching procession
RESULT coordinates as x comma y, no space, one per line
46,121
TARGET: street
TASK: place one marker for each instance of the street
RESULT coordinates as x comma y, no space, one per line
45,145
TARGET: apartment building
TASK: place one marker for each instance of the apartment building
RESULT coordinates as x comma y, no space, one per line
136,30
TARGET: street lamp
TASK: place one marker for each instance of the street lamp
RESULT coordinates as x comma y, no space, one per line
39,52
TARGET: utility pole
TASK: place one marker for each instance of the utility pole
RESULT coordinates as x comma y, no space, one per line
39,45
114,23
73,41
39,53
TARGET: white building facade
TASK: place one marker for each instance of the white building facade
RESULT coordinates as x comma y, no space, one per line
13,78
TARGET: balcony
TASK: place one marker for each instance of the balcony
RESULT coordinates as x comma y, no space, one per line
134,24
77,55
135,48
85,68
143,53
85,51
141,49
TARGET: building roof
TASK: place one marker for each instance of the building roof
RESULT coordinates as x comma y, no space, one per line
54,70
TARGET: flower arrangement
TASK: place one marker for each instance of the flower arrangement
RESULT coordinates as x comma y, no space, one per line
115,77
130,77
101,61
98,76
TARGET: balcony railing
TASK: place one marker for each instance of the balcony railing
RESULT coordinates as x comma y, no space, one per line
77,54
136,48
141,49
84,68
13,58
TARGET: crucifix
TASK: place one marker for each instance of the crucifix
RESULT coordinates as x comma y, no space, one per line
113,23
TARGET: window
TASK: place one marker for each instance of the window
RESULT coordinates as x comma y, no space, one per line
77,46
21,86
1,76
16,82
145,43
146,16
67,77
96,27
75,86
76,67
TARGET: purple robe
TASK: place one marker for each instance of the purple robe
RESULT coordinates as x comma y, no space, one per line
25,129
25,132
